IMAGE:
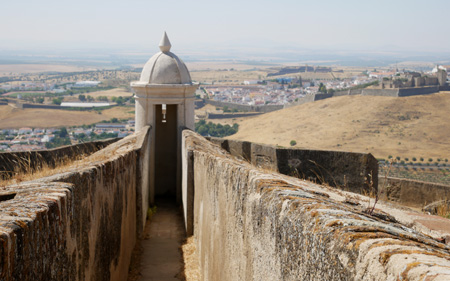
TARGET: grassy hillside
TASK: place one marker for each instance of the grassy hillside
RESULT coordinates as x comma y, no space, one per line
406,127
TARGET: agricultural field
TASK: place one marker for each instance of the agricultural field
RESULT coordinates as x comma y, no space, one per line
109,94
48,118
433,173
19,69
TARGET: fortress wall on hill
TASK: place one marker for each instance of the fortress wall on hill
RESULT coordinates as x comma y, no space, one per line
43,106
446,87
252,224
305,99
231,115
310,98
346,170
406,92
243,107
78,225
401,92
351,92
25,160
322,96
412,193
380,92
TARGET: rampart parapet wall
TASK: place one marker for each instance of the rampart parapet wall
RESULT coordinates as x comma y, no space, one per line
412,193
81,224
254,224
396,92
356,172
20,161
249,222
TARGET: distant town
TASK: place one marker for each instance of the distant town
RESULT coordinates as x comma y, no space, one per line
23,139
286,90
91,91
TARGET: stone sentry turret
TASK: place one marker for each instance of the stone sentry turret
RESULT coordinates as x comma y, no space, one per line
165,98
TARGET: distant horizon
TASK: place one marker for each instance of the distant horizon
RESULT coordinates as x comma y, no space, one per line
280,55
236,29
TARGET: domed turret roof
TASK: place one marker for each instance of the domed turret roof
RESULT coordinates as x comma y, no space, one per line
165,67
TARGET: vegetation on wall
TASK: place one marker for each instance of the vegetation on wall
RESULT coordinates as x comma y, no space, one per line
61,138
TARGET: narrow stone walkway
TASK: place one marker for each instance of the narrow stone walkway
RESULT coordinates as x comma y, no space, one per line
161,255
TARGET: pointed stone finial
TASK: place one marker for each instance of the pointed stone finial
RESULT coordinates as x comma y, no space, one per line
164,44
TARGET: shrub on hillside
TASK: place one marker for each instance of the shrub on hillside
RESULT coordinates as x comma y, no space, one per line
215,130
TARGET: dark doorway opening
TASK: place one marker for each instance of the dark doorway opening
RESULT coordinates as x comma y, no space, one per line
166,152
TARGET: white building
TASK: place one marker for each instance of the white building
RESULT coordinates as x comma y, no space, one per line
85,104
86,84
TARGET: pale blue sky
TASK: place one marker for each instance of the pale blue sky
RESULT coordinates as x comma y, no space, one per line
201,25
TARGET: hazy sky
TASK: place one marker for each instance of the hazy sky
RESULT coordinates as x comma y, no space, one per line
202,25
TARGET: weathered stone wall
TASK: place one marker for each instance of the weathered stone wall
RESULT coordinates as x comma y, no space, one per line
243,107
380,92
346,170
398,92
231,115
406,92
411,192
401,92
305,99
350,92
251,224
29,160
81,224
322,96
310,98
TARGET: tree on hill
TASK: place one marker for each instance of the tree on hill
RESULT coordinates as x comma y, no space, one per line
119,100
322,88
57,101
63,132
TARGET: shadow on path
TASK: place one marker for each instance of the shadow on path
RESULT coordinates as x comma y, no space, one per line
161,258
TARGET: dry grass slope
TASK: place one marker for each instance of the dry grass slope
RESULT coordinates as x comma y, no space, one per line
407,127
